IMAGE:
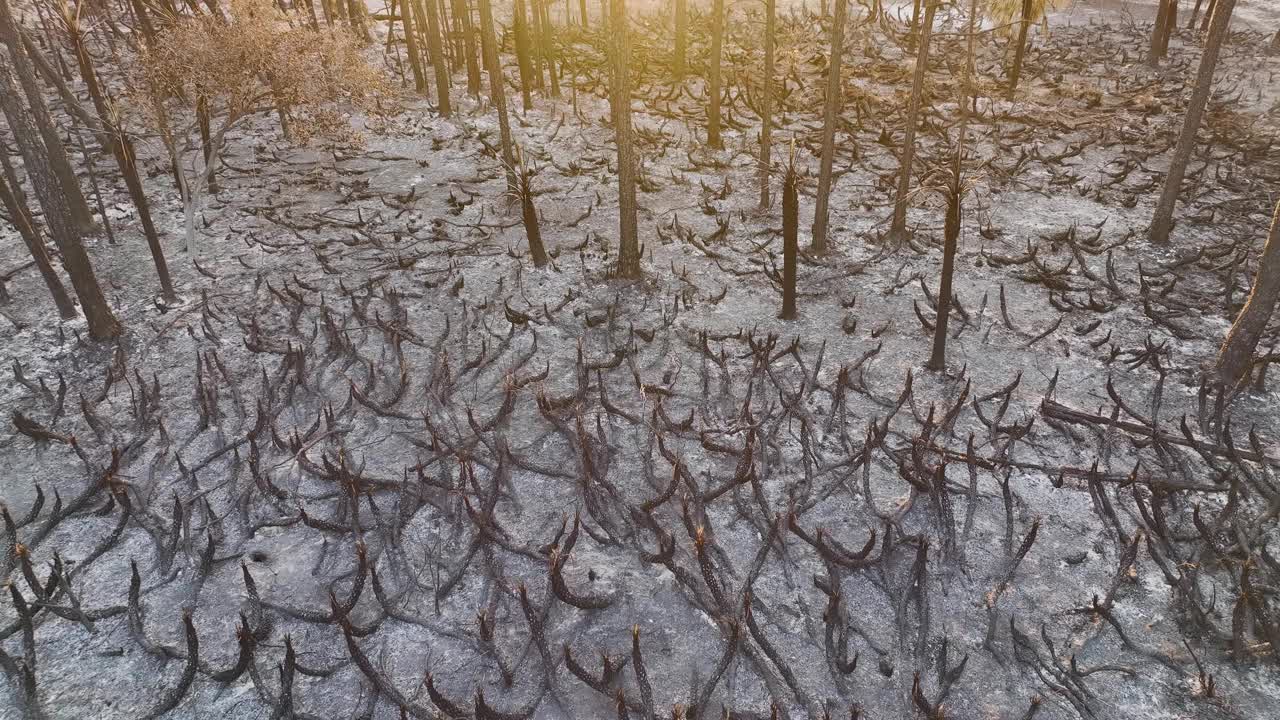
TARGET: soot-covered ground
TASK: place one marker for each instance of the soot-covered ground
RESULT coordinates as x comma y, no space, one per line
377,465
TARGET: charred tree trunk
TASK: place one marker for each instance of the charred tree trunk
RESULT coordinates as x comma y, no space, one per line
955,195
628,233
77,205
497,89
1162,222
21,216
766,103
549,46
126,159
831,118
102,321
898,228
1195,13
1165,21
713,87
1019,52
520,26
790,235
537,44
681,50
529,214
1208,14
462,11
438,66
1236,357
407,14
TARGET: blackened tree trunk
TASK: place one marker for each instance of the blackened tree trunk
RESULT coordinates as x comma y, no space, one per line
438,66
1275,44
497,89
548,45
1019,52
81,216
682,38
955,195
1162,222
628,233
831,118
102,321
122,148
713,86
411,45
1208,14
1157,29
766,103
1195,13
529,214
520,26
21,216
790,239
537,44
462,11
898,228
1236,357
951,237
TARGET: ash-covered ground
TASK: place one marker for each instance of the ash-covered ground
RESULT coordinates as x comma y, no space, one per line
377,465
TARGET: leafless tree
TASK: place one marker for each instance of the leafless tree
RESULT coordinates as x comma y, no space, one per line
120,145
81,216
766,102
831,118
1162,221
102,321
15,205
898,228
628,233
497,89
1236,357
435,47
713,82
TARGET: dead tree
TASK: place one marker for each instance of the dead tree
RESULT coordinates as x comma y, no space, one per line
102,322
520,26
435,48
951,230
790,232
407,14
682,37
628,235
529,215
1235,360
831,118
1020,51
1162,222
898,228
548,34
1209,13
713,86
81,215
766,103
497,89
462,13
15,205
121,147
1166,19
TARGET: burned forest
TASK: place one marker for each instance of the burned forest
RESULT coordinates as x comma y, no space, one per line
687,359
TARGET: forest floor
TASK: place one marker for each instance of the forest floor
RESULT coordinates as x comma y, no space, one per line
376,446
